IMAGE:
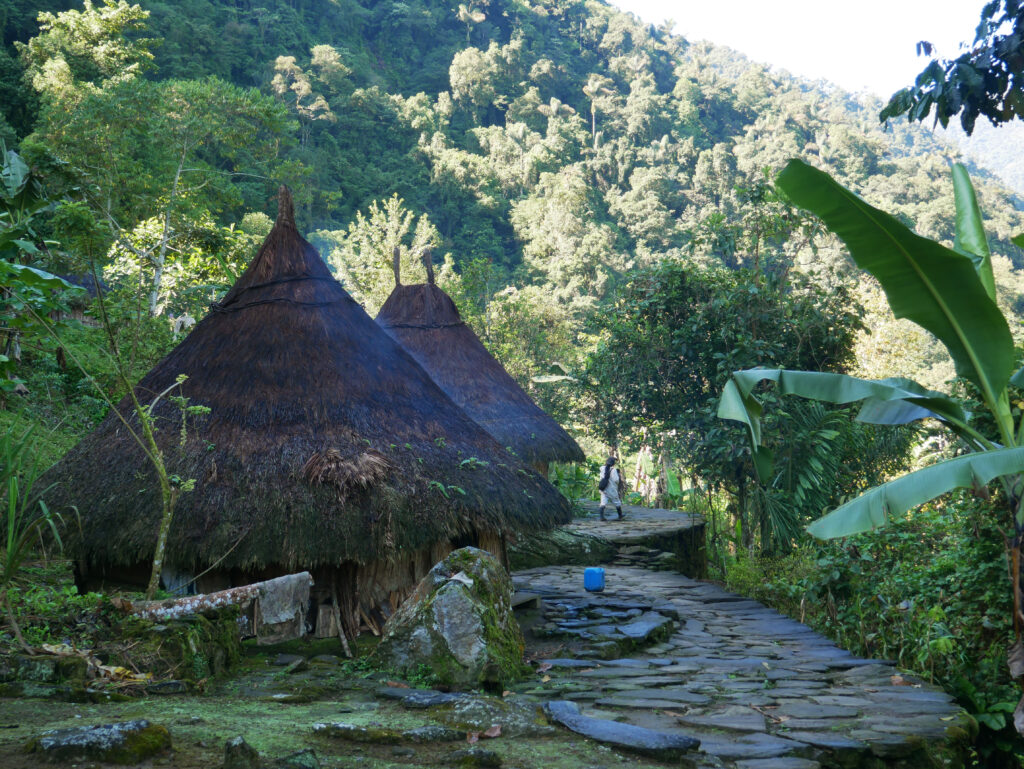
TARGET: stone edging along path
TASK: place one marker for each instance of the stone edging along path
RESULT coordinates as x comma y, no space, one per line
759,690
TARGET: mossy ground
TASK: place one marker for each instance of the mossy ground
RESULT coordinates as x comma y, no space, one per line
243,705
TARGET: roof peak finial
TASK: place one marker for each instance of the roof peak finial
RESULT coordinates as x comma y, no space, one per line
285,206
396,264
426,255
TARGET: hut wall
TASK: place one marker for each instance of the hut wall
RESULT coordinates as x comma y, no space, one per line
366,594
494,544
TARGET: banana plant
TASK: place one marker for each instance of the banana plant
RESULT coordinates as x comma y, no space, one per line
950,292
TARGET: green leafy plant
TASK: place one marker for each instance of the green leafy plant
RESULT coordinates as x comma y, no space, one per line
25,290
949,292
446,490
27,517
576,481
677,334
171,486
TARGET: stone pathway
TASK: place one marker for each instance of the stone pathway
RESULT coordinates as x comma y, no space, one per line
759,690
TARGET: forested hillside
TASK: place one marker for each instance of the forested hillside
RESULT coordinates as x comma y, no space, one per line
995,148
550,154
504,122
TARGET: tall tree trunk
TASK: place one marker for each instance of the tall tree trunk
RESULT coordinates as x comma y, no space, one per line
165,239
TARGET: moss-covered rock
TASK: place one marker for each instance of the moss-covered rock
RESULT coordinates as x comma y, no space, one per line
303,759
188,649
43,668
470,758
516,716
130,742
457,627
239,754
364,734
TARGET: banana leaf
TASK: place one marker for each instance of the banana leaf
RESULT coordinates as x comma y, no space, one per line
874,508
970,231
886,401
647,463
672,485
33,278
893,401
934,286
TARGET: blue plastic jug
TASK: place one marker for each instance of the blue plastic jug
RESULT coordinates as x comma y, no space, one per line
593,579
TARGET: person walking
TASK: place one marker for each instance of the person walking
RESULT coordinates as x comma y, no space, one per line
611,487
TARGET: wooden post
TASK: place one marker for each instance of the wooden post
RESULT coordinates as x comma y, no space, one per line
337,616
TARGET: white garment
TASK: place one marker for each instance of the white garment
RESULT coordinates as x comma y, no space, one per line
610,495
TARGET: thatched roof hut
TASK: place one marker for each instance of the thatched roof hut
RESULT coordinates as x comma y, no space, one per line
326,445
425,320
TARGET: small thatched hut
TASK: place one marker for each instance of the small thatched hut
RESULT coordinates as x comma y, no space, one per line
425,320
326,448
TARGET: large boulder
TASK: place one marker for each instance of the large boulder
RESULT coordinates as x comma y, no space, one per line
457,626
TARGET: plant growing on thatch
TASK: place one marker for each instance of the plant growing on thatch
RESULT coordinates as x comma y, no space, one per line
26,516
950,293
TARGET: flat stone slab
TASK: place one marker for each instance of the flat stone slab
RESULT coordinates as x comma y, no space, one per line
645,626
828,740
739,719
419,698
813,710
637,739
778,763
675,694
639,524
645,704
561,662
745,746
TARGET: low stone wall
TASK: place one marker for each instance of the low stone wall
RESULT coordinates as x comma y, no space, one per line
671,531
562,546
687,545
176,654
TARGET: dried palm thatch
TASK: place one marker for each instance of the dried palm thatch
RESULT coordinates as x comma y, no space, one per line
346,473
426,322
325,445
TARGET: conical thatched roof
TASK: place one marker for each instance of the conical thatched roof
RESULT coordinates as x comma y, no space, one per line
325,441
426,322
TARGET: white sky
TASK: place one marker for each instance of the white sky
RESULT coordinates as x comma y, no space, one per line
865,45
